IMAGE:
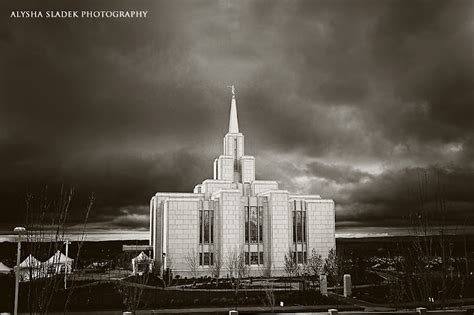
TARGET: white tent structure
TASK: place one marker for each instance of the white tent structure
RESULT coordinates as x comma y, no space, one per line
4,269
31,268
142,263
30,262
58,263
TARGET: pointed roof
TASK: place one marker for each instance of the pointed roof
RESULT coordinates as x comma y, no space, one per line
233,121
30,262
4,268
141,256
59,258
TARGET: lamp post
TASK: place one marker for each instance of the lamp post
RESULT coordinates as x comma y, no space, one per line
67,263
18,230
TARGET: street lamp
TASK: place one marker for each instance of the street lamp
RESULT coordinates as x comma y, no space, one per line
66,242
18,230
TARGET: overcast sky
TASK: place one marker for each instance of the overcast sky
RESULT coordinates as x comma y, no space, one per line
352,100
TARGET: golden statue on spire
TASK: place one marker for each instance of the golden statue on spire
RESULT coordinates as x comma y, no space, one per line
233,89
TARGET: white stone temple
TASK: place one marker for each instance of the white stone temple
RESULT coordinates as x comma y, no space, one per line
236,213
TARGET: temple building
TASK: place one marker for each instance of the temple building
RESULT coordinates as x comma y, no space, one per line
234,214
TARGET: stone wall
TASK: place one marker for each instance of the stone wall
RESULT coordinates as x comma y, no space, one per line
230,223
279,223
183,231
321,226
248,169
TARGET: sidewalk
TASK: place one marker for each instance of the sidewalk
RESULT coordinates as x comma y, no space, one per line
314,309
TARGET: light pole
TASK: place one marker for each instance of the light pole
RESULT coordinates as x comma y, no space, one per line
19,230
67,262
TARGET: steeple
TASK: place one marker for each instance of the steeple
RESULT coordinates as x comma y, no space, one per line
233,121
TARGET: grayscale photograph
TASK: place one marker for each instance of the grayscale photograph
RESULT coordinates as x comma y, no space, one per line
237,157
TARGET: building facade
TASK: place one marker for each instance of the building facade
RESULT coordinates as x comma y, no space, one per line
235,215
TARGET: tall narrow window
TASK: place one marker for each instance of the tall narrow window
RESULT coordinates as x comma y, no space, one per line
299,232
211,223
253,232
246,209
206,236
253,225
206,226
294,226
200,226
303,230
299,226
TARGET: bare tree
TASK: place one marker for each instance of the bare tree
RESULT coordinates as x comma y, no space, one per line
231,261
79,248
216,267
427,263
192,260
269,296
314,266
46,222
236,265
292,269
168,273
242,270
333,266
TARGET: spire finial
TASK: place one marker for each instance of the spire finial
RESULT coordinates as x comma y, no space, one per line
233,121
233,90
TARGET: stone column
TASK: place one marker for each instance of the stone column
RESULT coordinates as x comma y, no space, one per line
323,284
347,285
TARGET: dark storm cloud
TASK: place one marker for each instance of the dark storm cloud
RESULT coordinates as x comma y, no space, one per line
338,173
340,98
394,195
118,182
387,198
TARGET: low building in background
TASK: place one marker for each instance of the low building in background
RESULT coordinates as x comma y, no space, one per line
234,218
141,264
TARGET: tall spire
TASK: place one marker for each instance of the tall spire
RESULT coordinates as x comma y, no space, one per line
233,121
